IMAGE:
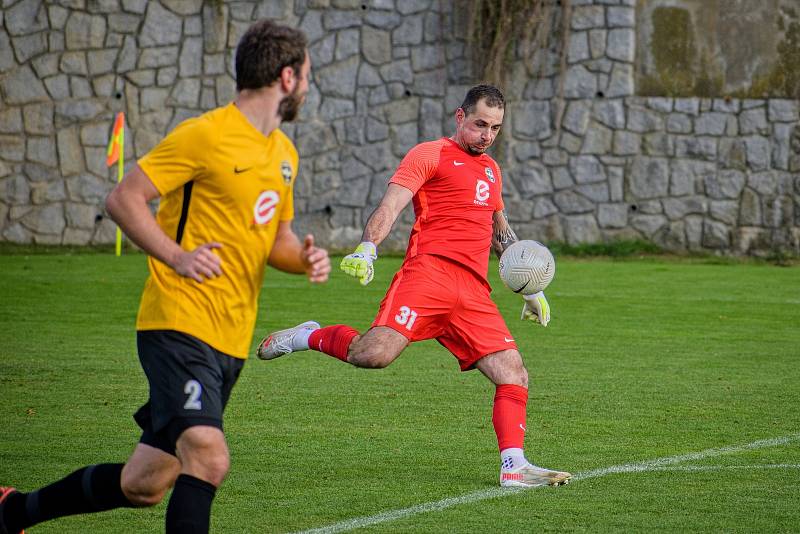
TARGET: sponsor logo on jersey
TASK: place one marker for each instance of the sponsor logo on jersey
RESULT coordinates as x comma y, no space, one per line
286,171
458,163
481,193
264,209
489,174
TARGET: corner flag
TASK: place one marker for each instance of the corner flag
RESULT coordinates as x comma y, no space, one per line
116,153
116,146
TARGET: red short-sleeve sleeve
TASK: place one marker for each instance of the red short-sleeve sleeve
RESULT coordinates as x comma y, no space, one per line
418,165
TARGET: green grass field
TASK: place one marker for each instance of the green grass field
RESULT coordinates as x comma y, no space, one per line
670,388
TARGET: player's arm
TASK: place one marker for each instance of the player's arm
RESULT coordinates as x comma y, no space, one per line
379,224
128,206
383,218
502,234
290,255
536,308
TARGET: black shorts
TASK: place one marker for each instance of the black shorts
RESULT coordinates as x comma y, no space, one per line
190,383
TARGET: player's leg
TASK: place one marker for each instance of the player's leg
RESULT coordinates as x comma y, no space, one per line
332,340
204,463
190,383
148,474
376,349
507,371
94,488
415,304
478,336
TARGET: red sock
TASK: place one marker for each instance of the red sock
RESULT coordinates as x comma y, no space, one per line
333,340
508,416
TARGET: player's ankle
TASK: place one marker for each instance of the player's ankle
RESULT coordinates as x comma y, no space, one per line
300,339
512,458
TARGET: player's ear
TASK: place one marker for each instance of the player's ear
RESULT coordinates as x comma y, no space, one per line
288,79
460,116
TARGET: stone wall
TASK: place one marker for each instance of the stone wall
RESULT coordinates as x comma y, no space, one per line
719,175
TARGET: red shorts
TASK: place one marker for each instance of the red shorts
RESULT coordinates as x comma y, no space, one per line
433,297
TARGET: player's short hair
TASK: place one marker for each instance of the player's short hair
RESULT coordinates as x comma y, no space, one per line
490,94
263,52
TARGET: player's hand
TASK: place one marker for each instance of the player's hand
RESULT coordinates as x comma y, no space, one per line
199,263
359,263
316,260
536,308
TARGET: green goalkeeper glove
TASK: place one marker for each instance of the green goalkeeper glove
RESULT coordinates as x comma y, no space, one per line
359,263
536,308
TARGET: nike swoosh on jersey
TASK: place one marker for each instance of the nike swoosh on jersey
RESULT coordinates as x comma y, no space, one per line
237,170
458,163
508,340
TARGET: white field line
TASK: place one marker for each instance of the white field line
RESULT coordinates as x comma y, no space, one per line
656,464
755,467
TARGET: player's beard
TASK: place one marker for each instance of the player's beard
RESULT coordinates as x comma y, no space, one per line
289,106
476,150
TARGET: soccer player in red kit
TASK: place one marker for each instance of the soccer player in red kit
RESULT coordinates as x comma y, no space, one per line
441,290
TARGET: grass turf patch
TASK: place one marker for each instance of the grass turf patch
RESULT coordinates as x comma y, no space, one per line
642,360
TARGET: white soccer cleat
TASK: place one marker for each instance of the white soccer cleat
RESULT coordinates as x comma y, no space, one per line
279,343
529,475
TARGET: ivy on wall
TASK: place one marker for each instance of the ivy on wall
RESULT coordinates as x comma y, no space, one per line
502,33
505,31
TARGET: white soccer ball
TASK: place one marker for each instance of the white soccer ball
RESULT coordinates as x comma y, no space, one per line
527,267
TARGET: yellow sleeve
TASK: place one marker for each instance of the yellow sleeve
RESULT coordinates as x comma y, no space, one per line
180,157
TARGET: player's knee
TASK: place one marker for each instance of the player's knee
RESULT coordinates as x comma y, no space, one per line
211,467
505,367
381,363
219,466
144,499
370,357
143,493
216,468
517,373
376,361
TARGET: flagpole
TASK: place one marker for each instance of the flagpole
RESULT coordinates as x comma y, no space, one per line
116,153
120,172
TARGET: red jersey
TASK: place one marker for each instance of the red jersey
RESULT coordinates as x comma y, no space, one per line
455,197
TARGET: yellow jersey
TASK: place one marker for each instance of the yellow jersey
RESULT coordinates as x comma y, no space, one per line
222,180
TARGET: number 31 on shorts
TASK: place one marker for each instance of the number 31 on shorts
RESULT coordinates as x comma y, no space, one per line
406,317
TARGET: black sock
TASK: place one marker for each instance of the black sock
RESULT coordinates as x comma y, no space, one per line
95,488
189,509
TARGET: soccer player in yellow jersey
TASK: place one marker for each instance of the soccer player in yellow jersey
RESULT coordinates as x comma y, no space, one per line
225,183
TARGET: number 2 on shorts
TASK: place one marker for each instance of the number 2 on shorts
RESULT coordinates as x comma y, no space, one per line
406,317
193,389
